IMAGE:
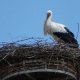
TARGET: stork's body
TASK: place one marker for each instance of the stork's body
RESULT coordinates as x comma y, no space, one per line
58,31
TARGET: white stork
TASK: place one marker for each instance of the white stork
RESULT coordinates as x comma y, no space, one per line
59,32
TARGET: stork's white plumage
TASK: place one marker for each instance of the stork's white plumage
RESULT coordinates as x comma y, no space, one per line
59,32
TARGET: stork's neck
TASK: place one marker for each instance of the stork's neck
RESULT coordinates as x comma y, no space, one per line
49,19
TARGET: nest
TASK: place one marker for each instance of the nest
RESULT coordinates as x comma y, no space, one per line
37,54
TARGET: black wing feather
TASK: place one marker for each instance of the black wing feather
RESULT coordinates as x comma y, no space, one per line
69,31
66,37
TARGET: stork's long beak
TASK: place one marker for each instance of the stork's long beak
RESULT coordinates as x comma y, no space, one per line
48,14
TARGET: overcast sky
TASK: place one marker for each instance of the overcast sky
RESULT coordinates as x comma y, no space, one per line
25,18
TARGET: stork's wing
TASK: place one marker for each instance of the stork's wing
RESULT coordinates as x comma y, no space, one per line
69,31
66,37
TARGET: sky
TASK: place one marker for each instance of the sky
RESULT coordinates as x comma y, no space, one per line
25,18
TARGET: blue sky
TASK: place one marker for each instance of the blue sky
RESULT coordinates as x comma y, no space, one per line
25,18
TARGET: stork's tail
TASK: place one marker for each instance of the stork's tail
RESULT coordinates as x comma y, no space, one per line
74,44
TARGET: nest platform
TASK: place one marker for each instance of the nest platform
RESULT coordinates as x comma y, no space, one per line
39,61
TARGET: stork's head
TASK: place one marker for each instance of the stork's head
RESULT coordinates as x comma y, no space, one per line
49,13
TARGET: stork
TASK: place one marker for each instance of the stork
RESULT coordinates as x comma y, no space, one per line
59,32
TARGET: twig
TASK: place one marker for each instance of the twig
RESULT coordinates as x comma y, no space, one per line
77,31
